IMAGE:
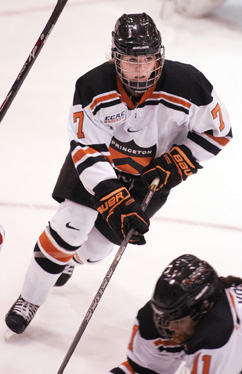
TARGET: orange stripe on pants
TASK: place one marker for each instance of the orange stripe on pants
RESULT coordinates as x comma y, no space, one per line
54,252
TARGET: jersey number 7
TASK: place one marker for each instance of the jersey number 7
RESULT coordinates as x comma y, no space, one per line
78,116
217,112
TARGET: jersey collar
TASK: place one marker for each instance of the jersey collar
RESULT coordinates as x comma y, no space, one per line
126,99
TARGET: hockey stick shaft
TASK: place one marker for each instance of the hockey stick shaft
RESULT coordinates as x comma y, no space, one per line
32,57
105,281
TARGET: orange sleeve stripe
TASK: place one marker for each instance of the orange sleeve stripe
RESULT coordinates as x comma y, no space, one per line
221,141
81,153
51,250
89,151
135,329
175,100
101,99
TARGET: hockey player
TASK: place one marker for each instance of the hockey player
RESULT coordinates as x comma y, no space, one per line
194,318
133,118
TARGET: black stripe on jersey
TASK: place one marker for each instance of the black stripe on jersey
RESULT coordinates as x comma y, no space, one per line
129,161
89,162
105,105
205,144
229,135
140,369
179,348
98,147
165,103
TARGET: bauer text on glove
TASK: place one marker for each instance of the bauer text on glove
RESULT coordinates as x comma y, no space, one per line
122,213
172,167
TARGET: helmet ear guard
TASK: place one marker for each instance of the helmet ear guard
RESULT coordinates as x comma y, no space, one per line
137,35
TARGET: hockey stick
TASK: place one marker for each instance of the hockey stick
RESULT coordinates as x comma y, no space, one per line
105,281
32,57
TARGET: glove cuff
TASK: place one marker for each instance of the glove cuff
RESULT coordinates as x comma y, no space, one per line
105,187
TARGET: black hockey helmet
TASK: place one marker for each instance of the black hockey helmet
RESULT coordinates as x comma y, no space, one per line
187,287
137,35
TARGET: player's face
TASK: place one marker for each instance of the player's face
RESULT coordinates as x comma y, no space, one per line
137,68
182,329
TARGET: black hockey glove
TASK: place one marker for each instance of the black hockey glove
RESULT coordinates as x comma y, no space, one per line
122,213
172,168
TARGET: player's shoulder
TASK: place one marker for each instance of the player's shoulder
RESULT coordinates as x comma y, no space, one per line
100,73
186,81
97,81
215,328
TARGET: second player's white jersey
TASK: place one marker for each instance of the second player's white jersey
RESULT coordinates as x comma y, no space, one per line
215,347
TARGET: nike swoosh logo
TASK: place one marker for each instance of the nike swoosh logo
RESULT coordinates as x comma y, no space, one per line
71,227
90,261
133,130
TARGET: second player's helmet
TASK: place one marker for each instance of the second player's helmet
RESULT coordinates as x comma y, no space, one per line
187,287
137,35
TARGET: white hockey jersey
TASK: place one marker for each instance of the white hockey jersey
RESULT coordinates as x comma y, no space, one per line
215,347
108,132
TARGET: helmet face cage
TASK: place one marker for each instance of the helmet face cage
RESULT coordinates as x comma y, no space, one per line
136,36
139,85
164,325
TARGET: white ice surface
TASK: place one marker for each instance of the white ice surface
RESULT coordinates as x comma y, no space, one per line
202,216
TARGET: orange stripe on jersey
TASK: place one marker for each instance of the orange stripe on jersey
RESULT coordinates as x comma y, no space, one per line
127,365
221,141
81,153
88,151
135,329
128,168
53,251
103,98
172,99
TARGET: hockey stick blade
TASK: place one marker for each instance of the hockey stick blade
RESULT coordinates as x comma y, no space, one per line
105,281
32,57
